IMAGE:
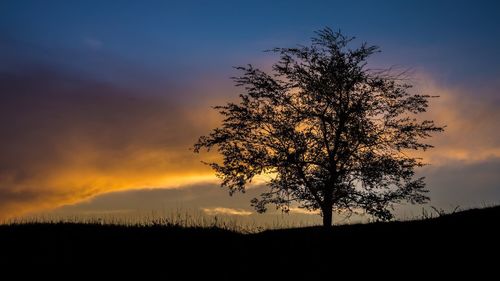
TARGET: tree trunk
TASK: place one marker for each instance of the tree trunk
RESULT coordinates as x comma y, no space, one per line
327,218
327,209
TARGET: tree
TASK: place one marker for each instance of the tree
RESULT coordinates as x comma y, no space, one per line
332,134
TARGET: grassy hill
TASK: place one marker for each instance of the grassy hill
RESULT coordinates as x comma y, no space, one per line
465,240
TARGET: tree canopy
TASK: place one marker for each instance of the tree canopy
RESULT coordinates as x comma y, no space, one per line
332,134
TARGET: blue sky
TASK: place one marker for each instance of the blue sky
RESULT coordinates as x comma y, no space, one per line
445,36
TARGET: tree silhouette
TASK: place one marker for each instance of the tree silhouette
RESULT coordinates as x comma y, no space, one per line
331,134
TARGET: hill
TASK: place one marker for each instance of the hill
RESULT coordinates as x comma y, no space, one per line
464,239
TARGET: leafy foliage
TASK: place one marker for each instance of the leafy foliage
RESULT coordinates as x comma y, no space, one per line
333,134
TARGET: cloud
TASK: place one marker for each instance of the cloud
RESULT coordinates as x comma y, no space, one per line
464,184
67,138
471,118
92,43
225,211
296,210
186,197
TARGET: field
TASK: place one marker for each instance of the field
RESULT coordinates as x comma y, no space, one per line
466,241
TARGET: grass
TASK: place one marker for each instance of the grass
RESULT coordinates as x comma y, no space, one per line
221,252
185,218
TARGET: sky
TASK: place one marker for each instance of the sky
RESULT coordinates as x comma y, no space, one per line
101,101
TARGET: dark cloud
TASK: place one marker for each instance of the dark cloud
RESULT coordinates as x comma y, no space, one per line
465,184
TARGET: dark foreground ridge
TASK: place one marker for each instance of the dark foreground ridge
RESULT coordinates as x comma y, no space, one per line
467,240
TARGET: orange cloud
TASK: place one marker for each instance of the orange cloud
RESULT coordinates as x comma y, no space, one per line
471,134
65,140
225,211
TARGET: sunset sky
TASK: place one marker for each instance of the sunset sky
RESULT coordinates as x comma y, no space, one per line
101,101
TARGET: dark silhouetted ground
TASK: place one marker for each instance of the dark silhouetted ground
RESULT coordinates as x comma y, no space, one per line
461,244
